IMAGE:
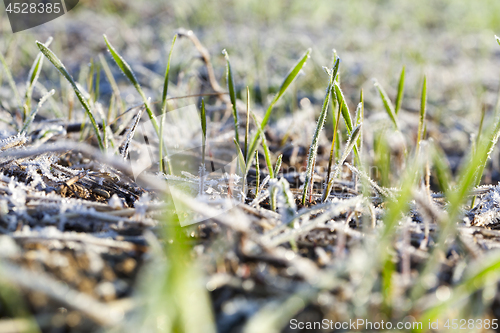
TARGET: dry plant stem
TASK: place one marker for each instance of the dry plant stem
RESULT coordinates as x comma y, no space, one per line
205,56
106,218
105,243
100,313
389,108
29,118
284,86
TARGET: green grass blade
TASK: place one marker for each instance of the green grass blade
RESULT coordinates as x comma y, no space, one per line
267,153
442,167
359,114
313,150
423,107
389,108
247,127
277,167
232,94
127,70
204,130
31,117
90,82
33,75
343,108
164,110
10,80
479,275
360,110
346,114
109,75
401,88
257,173
112,82
351,144
167,74
60,67
286,83
241,158
489,149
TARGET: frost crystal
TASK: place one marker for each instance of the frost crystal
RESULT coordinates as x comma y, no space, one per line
141,205
13,141
115,202
35,177
487,212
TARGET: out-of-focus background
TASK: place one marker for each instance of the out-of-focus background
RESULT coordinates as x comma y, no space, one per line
450,42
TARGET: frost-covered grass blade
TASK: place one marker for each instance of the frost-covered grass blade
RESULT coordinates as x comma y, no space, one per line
313,150
31,117
127,70
163,111
60,67
33,75
401,88
284,86
267,153
389,108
